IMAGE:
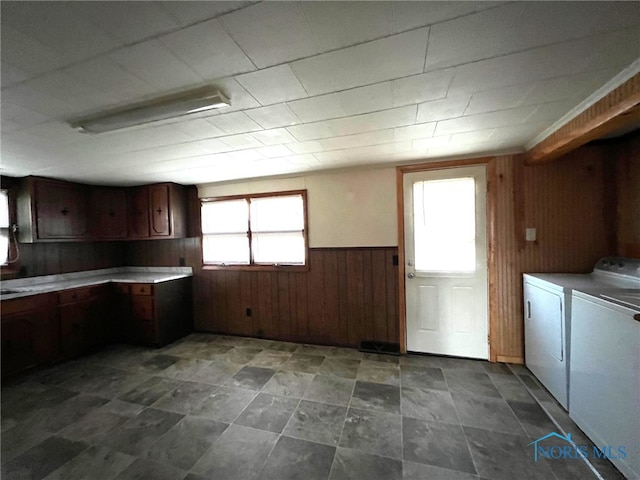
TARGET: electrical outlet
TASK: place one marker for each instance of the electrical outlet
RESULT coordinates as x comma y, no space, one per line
530,234
182,262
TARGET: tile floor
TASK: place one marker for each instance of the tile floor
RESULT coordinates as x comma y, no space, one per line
218,407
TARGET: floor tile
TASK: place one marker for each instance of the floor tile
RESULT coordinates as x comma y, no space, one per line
101,420
504,456
139,433
433,405
350,464
42,459
422,377
288,383
268,412
185,398
302,363
17,440
252,378
269,359
225,404
488,413
497,369
320,350
317,422
373,432
185,368
510,388
339,352
379,373
420,471
143,469
184,444
294,459
158,363
65,413
26,404
470,383
209,352
340,367
434,443
95,463
376,396
151,391
282,346
532,418
117,383
238,454
241,355
218,372
329,389
382,358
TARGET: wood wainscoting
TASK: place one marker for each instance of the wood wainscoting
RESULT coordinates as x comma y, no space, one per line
347,296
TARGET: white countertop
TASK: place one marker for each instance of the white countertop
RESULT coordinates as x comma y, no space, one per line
23,287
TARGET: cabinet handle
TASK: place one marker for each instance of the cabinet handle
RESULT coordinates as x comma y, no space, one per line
64,211
636,317
159,211
528,309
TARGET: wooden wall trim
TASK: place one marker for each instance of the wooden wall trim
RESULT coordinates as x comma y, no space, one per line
618,108
402,306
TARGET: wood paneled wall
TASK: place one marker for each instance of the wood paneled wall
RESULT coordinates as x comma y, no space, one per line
628,193
348,294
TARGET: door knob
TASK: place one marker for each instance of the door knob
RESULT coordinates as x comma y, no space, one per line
411,275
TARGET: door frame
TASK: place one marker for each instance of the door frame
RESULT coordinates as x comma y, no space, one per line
489,162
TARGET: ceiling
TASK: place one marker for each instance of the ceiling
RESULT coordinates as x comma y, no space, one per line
313,85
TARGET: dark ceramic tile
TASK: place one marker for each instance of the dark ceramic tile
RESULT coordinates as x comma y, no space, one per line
101,420
340,367
268,412
59,416
288,383
150,391
294,459
564,468
225,404
269,359
535,422
143,469
42,459
216,373
470,383
283,346
497,369
373,432
382,358
242,355
118,383
329,389
158,363
239,454
95,463
185,368
186,398
433,405
139,433
510,388
93,379
504,456
422,377
350,464
317,422
185,349
184,444
434,443
419,471
529,382
210,351
488,413
376,396
379,373
26,404
252,378
319,350
339,352
302,363
17,440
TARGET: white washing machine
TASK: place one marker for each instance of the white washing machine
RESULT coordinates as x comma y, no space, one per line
547,317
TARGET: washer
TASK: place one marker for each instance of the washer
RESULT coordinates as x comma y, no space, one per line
547,317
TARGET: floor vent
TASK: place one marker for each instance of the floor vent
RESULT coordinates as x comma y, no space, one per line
380,347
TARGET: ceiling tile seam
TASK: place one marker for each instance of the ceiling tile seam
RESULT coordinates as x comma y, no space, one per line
305,14
426,51
226,29
198,22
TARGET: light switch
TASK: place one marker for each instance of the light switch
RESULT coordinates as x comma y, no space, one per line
530,235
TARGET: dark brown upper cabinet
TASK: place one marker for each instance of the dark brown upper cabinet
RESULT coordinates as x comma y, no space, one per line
158,211
109,213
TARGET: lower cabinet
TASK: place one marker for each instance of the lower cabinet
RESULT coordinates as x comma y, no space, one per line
84,313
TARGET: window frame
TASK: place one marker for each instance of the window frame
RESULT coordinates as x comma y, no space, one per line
260,266
11,270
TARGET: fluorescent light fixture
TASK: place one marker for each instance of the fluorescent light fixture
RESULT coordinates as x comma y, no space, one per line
160,108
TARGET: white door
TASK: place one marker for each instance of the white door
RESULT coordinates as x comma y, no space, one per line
446,261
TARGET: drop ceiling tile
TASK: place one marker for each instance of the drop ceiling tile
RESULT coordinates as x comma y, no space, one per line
342,104
550,112
274,151
364,152
413,132
10,75
339,24
237,122
273,116
30,97
421,88
20,116
272,85
303,160
199,128
396,117
408,15
424,144
470,123
189,12
442,109
152,62
358,140
246,155
272,32
212,145
570,86
128,21
275,136
243,140
26,53
240,98
361,65
498,99
311,146
208,50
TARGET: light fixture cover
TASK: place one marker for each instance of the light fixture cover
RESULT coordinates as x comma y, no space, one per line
160,108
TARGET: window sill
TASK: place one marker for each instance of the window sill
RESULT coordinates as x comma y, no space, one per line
258,268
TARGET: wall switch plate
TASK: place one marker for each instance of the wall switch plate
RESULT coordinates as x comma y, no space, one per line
530,234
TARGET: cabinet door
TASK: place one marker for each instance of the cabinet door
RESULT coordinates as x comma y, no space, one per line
109,213
61,211
139,213
18,343
75,329
160,214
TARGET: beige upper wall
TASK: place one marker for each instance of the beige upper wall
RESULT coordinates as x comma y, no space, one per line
353,208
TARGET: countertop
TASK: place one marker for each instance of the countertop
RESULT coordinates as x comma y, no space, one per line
22,287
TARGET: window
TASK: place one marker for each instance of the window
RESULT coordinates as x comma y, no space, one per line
4,227
255,230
